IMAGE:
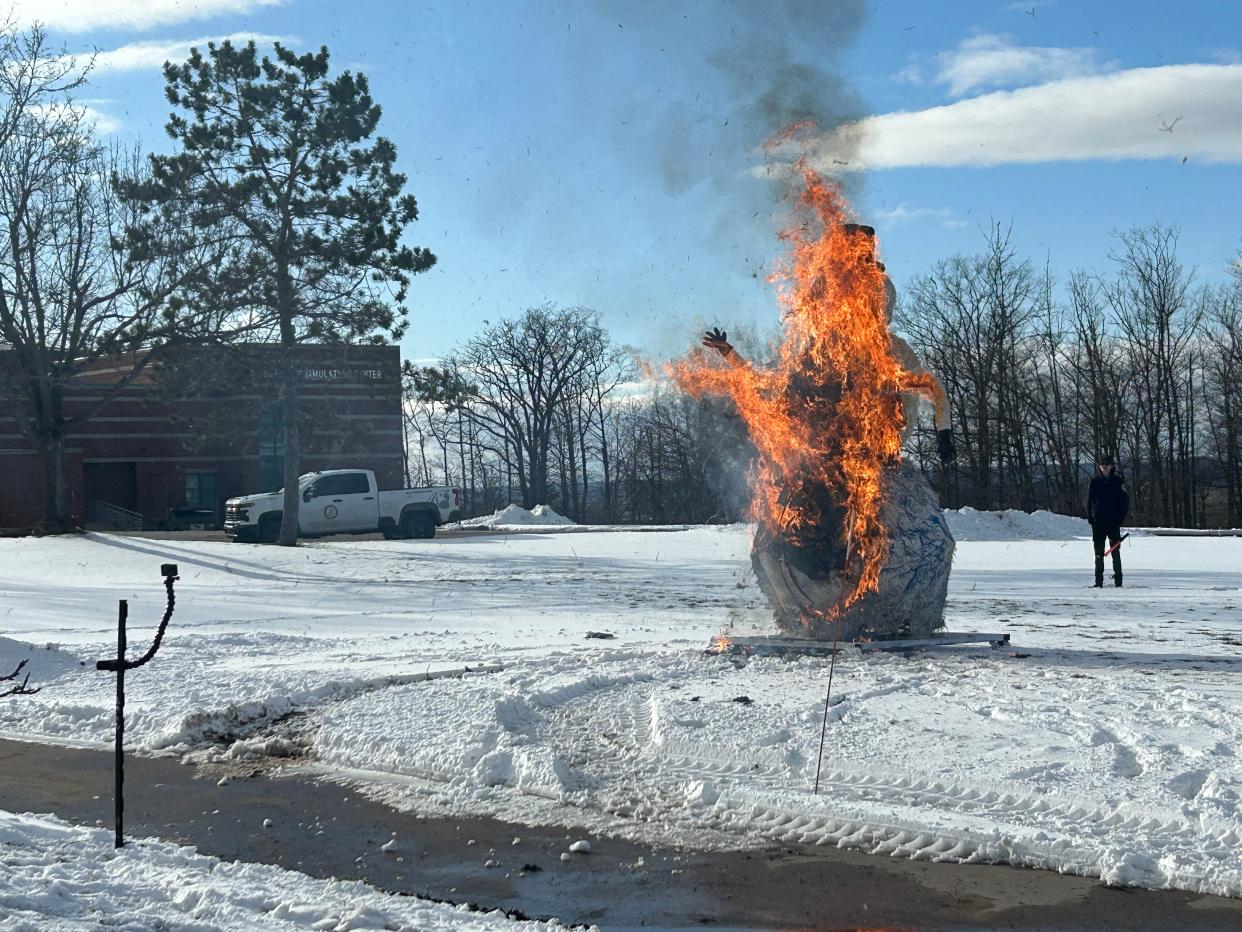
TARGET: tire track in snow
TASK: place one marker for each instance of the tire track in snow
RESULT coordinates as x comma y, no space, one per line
905,816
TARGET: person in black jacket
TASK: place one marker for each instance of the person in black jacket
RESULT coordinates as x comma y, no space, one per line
1108,503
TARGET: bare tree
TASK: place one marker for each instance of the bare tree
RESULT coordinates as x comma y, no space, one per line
526,373
1012,304
597,409
433,400
580,444
943,314
1141,365
33,77
1158,321
1222,382
21,688
74,289
1042,378
1102,379
680,459
968,319
1049,397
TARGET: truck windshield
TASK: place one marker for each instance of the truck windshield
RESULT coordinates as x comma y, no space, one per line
303,481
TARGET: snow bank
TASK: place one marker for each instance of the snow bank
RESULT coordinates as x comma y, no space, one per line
482,734
45,664
517,516
971,524
56,876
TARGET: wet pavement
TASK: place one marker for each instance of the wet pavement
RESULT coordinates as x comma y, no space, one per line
327,830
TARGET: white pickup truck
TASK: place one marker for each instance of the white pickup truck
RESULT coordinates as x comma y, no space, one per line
343,501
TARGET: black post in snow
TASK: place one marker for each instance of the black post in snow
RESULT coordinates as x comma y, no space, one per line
120,665
119,790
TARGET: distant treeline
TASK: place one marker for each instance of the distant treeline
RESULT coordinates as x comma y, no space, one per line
1138,362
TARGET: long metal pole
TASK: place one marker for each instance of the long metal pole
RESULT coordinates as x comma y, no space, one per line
823,731
122,614
838,610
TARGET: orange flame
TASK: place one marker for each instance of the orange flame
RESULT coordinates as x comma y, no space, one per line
826,419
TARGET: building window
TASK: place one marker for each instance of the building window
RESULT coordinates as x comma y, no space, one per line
271,450
200,490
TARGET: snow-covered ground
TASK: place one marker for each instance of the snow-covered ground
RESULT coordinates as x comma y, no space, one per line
1103,742
56,876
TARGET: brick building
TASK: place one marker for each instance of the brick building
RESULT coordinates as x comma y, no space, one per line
204,426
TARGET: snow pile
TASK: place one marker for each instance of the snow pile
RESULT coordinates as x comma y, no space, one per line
44,663
492,738
57,876
971,524
517,516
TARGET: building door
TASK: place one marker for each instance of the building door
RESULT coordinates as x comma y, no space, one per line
110,483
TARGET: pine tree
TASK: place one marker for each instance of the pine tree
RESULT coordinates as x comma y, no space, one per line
282,157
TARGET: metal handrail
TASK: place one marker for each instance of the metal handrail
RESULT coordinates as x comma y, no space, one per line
118,518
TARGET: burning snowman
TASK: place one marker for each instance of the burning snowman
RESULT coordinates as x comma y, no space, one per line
851,541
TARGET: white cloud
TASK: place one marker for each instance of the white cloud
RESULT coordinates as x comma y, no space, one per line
153,53
988,60
102,123
904,213
1123,115
105,123
912,73
84,15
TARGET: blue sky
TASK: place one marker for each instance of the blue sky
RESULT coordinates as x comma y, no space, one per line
605,154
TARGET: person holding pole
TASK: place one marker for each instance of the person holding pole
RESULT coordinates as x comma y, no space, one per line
1108,503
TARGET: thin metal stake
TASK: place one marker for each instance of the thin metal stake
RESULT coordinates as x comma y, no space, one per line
823,731
836,636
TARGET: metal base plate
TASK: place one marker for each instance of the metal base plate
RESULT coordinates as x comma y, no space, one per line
937,640
760,646
773,646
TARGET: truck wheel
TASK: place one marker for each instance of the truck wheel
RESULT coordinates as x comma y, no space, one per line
418,524
269,529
